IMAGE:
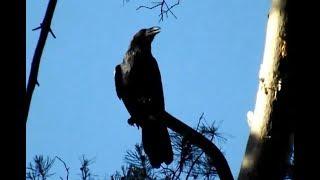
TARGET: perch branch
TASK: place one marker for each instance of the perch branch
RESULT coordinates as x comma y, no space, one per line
194,137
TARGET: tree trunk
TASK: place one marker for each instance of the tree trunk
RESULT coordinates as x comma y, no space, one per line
271,122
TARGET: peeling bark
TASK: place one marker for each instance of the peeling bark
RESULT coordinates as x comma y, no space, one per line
268,145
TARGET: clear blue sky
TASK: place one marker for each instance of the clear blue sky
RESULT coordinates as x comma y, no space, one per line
209,60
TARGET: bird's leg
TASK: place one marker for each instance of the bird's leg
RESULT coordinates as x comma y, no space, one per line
133,121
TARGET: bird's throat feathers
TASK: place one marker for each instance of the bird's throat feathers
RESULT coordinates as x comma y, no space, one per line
139,48
137,53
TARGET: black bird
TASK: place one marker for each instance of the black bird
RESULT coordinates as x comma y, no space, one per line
138,84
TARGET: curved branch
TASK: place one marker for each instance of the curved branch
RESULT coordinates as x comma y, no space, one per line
194,137
65,167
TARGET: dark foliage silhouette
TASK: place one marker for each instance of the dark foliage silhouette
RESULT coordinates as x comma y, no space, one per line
40,168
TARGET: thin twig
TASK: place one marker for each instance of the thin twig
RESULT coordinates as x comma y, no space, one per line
169,9
184,158
65,166
194,162
164,8
149,7
201,117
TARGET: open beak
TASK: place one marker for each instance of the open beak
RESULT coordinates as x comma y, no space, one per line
153,31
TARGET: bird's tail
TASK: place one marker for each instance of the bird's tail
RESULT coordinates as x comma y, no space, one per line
156,142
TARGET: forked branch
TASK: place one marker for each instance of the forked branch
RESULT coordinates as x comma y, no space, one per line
164,8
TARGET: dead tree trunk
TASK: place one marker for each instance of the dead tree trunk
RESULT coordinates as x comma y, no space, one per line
270,124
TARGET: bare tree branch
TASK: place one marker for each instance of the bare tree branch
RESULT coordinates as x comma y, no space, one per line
195,161
164,8
65,166
86,173
45,29
147,7
186,149
169,8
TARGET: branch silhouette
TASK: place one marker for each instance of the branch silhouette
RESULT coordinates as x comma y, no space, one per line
65,167
194,137
45,29
164,8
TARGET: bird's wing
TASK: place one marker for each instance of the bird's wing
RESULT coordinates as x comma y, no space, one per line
157,84
118,81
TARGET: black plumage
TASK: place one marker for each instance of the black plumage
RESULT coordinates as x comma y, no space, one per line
138,84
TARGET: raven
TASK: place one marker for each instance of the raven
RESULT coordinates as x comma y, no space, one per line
138,84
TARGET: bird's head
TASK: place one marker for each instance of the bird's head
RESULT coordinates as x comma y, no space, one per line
144,37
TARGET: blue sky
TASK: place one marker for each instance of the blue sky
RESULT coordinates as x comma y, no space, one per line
209,59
